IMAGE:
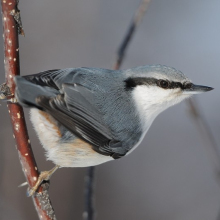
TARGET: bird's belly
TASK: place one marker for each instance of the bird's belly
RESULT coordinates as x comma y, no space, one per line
74,153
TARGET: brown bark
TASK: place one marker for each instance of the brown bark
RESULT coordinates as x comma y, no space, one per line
11,28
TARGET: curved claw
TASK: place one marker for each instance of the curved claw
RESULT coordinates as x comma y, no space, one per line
44,176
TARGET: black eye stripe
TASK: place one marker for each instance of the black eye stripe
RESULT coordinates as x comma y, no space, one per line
131,83
174,85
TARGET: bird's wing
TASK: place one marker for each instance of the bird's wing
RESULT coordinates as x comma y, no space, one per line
55,78
68,95
73,109
48,78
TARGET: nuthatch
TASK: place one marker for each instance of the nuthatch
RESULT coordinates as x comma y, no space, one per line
87,116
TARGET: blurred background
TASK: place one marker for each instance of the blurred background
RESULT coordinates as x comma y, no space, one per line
170,176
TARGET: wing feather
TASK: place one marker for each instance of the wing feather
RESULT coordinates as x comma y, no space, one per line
77,114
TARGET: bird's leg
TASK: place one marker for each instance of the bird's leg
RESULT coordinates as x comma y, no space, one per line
45,175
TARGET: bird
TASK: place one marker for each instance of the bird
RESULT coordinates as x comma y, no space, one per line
88,116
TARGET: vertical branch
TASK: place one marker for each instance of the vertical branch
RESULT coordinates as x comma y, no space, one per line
11,28
89,213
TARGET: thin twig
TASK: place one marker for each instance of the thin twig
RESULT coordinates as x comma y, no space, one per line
89,213
199,119
11,27
204,129
130,32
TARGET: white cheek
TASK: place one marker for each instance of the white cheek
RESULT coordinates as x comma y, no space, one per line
151,101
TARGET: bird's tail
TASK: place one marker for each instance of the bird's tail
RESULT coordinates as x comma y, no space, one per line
27,92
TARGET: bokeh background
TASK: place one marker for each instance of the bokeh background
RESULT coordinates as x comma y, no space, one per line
170,176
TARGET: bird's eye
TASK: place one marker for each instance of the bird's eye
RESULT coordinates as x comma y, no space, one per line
188,86
163,84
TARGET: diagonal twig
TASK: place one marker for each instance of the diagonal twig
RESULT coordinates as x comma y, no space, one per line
204,129
130,32
11,28
89,213
196,114
212,147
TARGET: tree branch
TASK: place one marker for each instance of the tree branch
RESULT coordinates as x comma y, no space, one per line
89,213
11,28
130,32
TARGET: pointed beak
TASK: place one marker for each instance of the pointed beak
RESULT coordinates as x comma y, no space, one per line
196,89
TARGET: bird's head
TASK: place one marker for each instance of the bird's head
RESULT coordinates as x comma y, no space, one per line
155,88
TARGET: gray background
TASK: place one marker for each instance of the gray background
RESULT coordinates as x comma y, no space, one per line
170,175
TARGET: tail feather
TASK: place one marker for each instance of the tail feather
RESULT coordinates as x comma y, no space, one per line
27,92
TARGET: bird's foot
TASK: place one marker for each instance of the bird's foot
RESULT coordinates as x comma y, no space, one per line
44,176
4,91
6,94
